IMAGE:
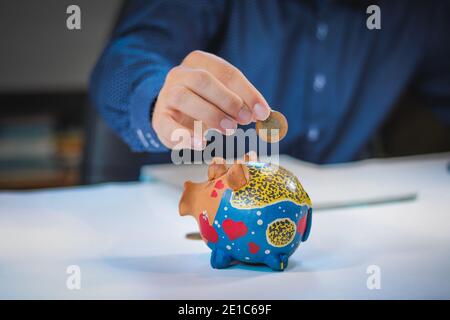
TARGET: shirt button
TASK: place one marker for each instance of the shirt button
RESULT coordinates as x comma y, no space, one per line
322,31
319,82
313,134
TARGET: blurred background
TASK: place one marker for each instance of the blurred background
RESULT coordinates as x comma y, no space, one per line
51,137
44,72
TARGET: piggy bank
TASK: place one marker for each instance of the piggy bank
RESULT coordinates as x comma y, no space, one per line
251,212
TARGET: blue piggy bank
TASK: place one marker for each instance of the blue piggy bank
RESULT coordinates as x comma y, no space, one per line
251,212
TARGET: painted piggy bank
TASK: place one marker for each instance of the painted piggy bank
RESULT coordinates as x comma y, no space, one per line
251,212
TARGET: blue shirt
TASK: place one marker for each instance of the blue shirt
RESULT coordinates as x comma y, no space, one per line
335,80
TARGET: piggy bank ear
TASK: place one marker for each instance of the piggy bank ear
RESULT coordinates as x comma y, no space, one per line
217,168
237,176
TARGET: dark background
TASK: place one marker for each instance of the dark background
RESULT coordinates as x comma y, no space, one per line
44,72
50,136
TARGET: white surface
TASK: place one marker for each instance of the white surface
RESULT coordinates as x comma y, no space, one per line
129,241
363,180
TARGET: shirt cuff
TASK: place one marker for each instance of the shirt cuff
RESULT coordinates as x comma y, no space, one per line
141,103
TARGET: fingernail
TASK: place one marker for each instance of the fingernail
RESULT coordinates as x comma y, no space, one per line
226,123
261,113
244,115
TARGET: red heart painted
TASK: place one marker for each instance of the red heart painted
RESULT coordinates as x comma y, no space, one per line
234,229
214,194
219,184
208,232
253,247
301,226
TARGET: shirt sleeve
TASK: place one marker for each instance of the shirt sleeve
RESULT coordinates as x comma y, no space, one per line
434,76
150,39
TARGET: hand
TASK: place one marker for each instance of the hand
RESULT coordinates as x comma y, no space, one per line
205,88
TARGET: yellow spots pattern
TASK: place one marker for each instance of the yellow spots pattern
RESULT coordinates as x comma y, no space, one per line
269,184
281,232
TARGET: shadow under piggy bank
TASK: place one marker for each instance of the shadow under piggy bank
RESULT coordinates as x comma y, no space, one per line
186,269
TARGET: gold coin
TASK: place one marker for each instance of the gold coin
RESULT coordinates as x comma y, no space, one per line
193,236
276,127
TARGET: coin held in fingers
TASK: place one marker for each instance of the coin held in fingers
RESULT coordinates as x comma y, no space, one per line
274,128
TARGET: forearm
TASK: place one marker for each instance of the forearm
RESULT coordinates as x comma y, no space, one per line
151,39
124,86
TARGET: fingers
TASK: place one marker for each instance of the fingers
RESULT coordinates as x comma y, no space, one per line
205,85
184,100
209,89
174,135
231,78
188,122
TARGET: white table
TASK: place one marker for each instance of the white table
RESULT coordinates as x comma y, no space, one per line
129,241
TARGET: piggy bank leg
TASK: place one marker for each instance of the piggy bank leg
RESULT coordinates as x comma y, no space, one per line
220,259
277,262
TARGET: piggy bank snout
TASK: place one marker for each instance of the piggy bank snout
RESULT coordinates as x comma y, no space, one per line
189,199
184,205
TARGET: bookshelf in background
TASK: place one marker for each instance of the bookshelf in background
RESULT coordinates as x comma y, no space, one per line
41,140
